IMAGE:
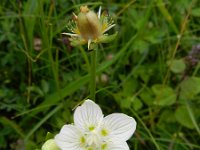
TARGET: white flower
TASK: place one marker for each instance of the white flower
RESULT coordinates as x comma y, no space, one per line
92,131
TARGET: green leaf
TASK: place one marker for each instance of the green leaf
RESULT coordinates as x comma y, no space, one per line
183,117
126,102
196,12
129,102
190,88
144,72
13,125
177,65
1,93
147,96
137,104
129,87
165,95
45,86
167,116
140,45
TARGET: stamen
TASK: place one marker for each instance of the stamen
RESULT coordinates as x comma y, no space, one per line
89,42
71,34
74,16
99,12
108,28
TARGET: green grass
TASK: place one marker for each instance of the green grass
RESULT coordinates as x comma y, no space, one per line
150,71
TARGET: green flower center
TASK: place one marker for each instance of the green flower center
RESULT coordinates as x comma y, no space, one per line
104,132
104,146
91,128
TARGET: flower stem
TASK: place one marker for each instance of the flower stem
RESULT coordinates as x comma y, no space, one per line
93,75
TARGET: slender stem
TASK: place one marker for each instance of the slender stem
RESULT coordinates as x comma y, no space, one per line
93,75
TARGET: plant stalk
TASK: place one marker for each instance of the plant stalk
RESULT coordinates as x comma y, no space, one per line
93,75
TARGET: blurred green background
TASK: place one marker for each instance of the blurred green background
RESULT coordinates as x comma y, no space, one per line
150,71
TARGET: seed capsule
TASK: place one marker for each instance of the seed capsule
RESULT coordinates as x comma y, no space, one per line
88,24
89,28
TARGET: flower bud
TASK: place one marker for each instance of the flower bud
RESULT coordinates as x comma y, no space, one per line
88,24
50,145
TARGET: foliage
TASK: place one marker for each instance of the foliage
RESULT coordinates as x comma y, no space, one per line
150,71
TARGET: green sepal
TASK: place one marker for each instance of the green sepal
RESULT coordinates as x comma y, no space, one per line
106,38
93,46
77,42
49,136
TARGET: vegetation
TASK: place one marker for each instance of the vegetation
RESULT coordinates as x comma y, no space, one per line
150,71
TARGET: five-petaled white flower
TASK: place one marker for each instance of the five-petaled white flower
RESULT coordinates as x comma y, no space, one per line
89,27
92,131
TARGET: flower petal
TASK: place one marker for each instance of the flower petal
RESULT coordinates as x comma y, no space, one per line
118,146
119,126
69,138
88,116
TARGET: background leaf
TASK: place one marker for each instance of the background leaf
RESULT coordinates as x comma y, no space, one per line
190,87
183,117
165,95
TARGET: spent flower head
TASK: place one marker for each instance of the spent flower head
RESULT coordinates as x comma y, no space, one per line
92,131
89,28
